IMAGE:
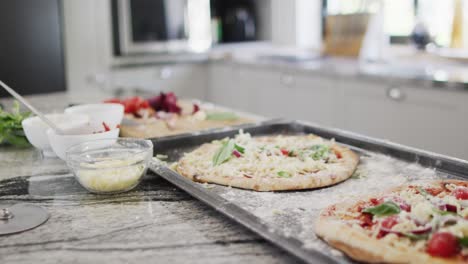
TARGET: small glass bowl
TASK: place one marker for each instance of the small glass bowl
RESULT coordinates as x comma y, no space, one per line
109,166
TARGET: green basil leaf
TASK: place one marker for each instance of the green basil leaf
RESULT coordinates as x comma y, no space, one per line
438,211
416,237
222,116
320,152
284,174
224,153
239,148
423,192
463,241
11,130
383,209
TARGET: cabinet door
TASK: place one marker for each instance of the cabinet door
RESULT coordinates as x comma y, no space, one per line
187,81
228,87
422,117
295,96
311,98
275,93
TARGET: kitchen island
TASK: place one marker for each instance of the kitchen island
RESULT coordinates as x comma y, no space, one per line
154,223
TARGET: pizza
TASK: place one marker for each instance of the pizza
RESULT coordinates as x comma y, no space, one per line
415,223
166,115
161,124
269,163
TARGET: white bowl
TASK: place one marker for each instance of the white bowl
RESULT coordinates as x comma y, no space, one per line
111,114
36,130
61,143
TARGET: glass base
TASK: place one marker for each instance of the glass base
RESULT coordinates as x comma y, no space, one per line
49,153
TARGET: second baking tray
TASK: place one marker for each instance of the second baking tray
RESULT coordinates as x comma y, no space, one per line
287,218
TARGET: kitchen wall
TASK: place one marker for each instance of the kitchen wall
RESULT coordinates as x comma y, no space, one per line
405,110
88,47
87,38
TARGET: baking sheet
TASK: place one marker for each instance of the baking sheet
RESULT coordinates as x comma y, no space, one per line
287,218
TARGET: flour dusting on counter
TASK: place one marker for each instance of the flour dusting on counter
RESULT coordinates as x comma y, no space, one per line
292,213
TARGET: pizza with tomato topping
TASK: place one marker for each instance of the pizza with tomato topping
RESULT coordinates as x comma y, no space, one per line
416,223
270,163
166,115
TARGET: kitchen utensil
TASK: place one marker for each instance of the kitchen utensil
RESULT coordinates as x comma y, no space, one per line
32,108
21,217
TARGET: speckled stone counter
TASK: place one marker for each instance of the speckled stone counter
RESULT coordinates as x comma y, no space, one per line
155,223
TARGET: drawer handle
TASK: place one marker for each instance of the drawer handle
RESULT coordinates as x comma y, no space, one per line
395,94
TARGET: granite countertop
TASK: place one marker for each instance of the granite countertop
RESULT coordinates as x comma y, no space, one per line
156,222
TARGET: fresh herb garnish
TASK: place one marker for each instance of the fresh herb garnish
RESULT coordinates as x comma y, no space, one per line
239,148
441,212
284,174
11,130
221,116
320,152
224,153
415,237
463,241
383,209
423,192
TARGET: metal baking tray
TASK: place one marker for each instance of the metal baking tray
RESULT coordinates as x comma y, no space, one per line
287,218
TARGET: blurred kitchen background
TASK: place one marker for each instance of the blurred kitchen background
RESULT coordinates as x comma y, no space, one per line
392,69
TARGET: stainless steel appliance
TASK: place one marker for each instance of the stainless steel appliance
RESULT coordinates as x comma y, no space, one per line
161,26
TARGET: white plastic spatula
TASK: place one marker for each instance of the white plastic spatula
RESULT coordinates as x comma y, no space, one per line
32,108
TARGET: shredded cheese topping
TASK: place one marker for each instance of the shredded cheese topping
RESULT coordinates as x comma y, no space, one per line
425,215
280,156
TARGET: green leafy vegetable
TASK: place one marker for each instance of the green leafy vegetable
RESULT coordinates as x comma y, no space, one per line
239,148
222,116
224,153
423,192
320,152
284,174
438,211
11,130
383,209
416,237
463,241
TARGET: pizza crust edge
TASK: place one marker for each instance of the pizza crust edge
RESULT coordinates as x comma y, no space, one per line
349,162
360,246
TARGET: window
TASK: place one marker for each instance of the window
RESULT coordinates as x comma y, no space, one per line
400,16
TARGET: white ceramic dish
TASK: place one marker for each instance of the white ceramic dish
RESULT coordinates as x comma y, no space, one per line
36,130
111,114
60,143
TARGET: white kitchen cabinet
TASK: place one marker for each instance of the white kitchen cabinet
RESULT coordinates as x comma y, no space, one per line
229,87
421,117
309,97
186,80
273,92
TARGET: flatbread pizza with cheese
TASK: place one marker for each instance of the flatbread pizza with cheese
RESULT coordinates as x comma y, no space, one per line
270,163
415,223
